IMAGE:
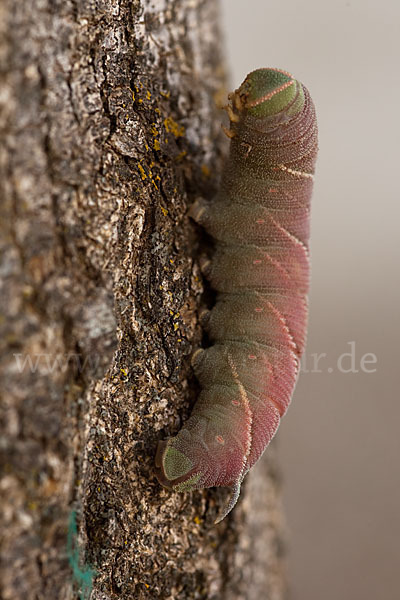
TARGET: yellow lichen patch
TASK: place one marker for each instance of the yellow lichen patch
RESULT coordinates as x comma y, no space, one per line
153,181
165,94
176,325
142,172
172,127
148,95
124,372
205,170
197,520
181,155
149,174
155,132
164,212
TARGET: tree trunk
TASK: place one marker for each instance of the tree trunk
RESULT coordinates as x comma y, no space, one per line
110,130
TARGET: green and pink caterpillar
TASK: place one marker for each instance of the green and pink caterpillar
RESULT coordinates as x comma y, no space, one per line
260,270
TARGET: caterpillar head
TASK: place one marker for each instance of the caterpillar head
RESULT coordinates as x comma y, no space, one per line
266,92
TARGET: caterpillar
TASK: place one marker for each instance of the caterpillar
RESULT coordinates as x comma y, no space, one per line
259,221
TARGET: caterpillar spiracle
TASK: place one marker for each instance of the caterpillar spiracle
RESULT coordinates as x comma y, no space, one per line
259,220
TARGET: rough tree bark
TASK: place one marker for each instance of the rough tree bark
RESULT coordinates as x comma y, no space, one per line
109,131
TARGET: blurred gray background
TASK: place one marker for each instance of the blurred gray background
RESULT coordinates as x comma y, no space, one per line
340,441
